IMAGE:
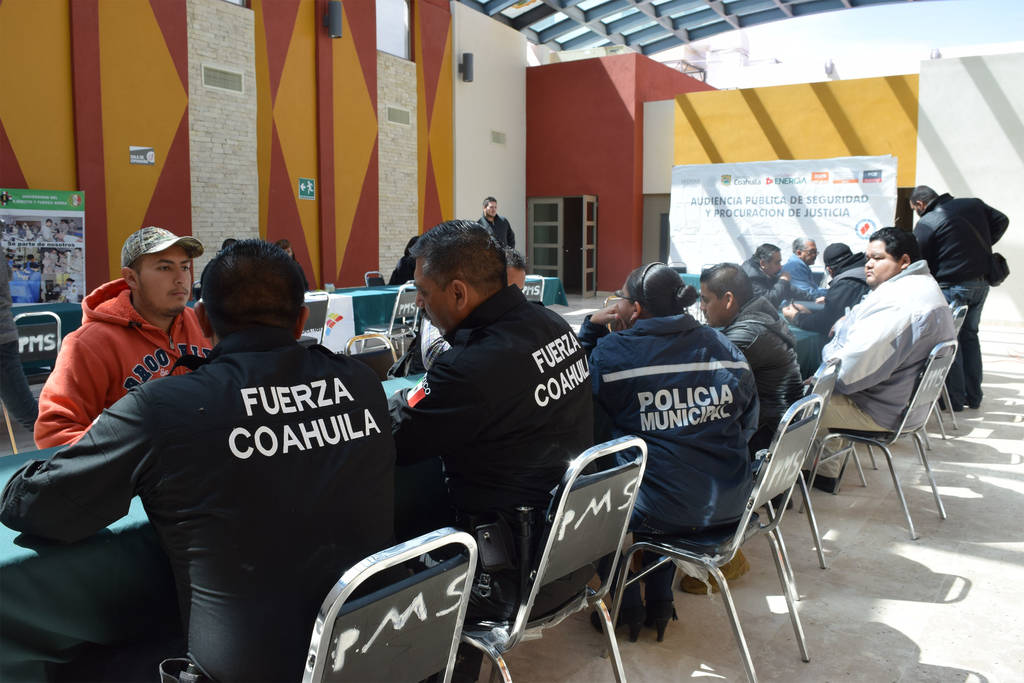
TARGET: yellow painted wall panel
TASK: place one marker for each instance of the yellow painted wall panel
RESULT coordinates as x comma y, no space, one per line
36,107
871,116
295,116
355,134
143,103
441,141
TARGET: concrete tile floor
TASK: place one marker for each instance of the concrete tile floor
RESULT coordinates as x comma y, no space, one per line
942,608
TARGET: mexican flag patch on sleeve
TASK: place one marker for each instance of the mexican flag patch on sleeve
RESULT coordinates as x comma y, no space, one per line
418,392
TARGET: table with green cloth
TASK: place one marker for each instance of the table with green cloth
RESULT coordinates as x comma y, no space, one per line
808,350
554,293
57,600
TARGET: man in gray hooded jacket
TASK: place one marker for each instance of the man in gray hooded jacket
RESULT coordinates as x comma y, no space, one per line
884,341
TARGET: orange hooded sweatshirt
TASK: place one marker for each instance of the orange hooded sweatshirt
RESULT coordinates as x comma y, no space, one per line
114,350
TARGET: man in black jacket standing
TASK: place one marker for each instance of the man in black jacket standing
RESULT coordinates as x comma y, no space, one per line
497,225
845,291
956,238
266,472
753,325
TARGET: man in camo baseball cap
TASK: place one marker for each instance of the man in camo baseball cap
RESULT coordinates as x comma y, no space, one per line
152,240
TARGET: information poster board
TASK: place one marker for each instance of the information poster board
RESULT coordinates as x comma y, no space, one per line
42,233
722,212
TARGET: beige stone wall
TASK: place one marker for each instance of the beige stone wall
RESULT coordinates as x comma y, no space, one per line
396,86
222,126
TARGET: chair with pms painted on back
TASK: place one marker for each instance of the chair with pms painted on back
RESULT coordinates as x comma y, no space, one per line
405,631
777,476
44,341
586,522
929,384
401,326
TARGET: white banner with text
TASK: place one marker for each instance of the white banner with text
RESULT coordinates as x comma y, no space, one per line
722,212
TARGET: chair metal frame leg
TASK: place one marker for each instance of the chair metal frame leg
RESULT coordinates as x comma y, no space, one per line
899,492
613,645
860,470
937,412
498,666
812,521
10,429
949,406
734,620
790,584
789,587
931,479
874,465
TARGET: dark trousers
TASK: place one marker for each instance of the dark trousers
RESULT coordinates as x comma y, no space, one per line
964,380
14,390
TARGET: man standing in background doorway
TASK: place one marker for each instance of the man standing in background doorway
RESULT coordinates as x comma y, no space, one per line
497,225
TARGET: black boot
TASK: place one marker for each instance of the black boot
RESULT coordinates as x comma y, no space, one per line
633,617
658,615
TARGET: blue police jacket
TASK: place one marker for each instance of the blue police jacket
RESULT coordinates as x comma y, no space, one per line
690,394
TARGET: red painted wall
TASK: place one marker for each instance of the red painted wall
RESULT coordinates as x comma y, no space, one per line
584,135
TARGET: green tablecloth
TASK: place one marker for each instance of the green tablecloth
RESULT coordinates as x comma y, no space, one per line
554,292
56,599
808,350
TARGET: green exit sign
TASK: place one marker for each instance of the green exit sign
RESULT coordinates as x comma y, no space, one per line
307,188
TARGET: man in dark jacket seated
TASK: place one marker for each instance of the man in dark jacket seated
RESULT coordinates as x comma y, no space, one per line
845,291
266,472
505,408
764,269
752,324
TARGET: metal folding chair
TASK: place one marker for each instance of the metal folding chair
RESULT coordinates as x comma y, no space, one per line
587,521
405,631
41,344
959,315
374,278
824,383
533,290
375,350
778,473
929,385
402,325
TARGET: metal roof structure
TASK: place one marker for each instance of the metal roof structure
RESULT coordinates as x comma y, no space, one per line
646,26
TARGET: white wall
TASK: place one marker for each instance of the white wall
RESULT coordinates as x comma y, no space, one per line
659,140
494,101
971,144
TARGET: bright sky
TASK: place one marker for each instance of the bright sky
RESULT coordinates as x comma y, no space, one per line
869,33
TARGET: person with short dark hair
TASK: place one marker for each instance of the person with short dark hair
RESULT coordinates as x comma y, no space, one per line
884,342
133,330
764,269
505,408
406,267
287,247
845,290
754,326
14,390
515,267
266,472
690,394
803,283
956,237
497,225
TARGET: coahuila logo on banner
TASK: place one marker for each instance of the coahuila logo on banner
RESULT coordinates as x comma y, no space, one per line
865,227
726,179
785,180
